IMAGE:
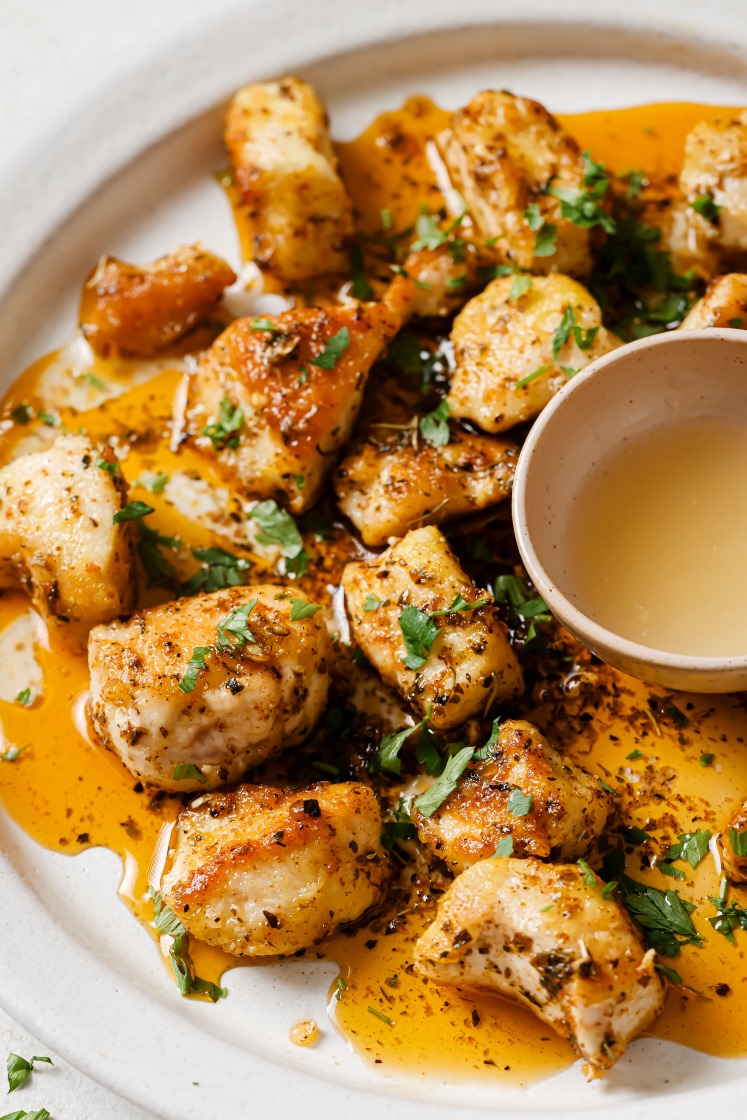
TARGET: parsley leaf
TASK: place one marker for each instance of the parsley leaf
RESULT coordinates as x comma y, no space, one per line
691,846
373,602
277,527
434,426
706,758
12,754
156,483
19,1069
133,511
419,633
168,925
590,879
519,287
361,287
401,828
545,241
150,542
196,666
407,353
728,916
738,842
706,207
663,916
519,804
301,609
236,624
223,432
25,697
563,331
444,786
486,751
459,603
387,756
583,207
263,324
333,351
187,771
531,376
220,569
504,849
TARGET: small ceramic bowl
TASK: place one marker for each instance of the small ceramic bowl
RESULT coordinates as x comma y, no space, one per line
683,375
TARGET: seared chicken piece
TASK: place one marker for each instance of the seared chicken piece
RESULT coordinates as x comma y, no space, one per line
275,397
735,866
538,933
566,811
259,871
262,688
58,540
502,152
432,283
469,665
715,166
386,489
512,356
137,310
278,141
723,305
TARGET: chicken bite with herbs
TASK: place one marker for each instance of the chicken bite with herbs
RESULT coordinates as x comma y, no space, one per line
258,871
274,398
517,170
713,182
286,169
553,938
724,304
137,310
523,795
514,350
394,484
59,540
429,632
195,692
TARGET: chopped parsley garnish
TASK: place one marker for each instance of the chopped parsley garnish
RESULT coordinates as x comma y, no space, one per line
533,218
663,916
156,483
636,181
431,236
133,511
233,632
380,1015
434,426
486,751
532,376
690,846
590,879
519,287
706,207
263,324
504,849
150,542
373,602
301,609
277,527
545,241
605,787
93,381
25,697
636,835
220,569
168,925
39,1114
515,593
408,354
519,803
706,758
110,465
419,633
634,754
19,1069
728,916
459,603
333,351
12,754
223,432
387,756
400,828
196,666
188,772
583,207
738,842
361,287
563,331
445,785
341,987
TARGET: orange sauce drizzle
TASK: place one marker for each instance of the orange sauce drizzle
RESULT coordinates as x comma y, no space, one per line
69,795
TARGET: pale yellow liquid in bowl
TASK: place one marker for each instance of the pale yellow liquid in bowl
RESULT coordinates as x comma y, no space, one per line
658,539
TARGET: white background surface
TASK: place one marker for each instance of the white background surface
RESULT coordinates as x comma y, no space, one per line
59,54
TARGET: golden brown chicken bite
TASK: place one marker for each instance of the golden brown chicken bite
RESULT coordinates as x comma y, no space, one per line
136,310
724,304
525,790
58,539
388,487
285,166
502,152
732,845
512,355
713,181
259,871
196,692
469,664
275,397
539,934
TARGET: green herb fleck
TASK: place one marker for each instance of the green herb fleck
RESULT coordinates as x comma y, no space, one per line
19,1069
196,666
133,511
301,609
445,785
519,803
223,432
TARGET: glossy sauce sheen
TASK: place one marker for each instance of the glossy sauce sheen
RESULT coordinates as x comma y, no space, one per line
69,795
659,531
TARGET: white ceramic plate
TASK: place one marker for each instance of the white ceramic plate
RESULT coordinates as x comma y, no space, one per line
130,174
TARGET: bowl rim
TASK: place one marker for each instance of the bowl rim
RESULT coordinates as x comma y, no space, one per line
567,612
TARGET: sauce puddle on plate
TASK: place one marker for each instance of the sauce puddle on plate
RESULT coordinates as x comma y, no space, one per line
675,764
